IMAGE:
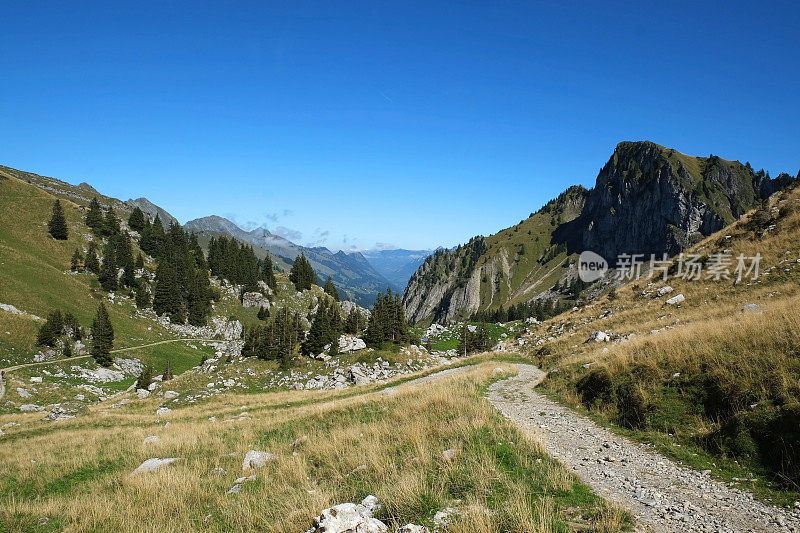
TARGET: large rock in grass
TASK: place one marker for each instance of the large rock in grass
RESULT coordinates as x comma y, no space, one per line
154,463
256,459
350,518
349,343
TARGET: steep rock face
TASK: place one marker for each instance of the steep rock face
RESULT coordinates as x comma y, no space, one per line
648,199
652,200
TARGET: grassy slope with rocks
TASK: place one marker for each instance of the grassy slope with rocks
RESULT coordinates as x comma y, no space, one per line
715,381
77,474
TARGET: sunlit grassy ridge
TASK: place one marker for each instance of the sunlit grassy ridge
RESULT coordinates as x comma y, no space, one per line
385,443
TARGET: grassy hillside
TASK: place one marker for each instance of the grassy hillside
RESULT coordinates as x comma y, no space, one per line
355,444
35,278
714,381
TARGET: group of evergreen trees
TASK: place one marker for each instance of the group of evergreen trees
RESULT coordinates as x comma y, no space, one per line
302,274
538,309
276,340
326,327
102,224
387,323
237,263
330,290
474,341
182,289
59,325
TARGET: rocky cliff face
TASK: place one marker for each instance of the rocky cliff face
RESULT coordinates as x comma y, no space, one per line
648,199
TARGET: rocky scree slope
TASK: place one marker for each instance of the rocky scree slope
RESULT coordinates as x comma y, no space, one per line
648,199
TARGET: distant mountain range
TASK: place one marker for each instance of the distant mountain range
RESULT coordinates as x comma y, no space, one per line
396,265
354,276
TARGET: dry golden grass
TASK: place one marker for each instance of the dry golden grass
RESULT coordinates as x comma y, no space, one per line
77,472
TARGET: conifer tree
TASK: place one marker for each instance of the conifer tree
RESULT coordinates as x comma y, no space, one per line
108,271
166,294
92,263
110,223
94,216
124,258
76,263
50,331
167,372
142,296
199,300
330,289
268,274
137,219
302,274
139,261
387,323
58,223
145,378
102,337
263,313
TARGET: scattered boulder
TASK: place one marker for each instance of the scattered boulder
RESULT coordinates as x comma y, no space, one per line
751,308
154,463
349,518
65,410
349,343
163,411
256,459
36,379
142,393
255,299
413,528
357,375
170,394
666,289
152,439
599,336
675,300
23,393
30,407
447,455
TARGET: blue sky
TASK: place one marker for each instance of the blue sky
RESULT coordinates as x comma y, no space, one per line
409,124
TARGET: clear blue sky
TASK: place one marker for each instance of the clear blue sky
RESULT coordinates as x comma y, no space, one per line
413,124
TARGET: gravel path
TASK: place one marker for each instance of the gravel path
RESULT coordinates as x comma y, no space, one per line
662,495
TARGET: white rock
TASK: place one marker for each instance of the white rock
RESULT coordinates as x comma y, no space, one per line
599,336
163,410
256,459
347,518
666,289
36,379
23,393
142,393
678,298
29,407
170,394
349,343
413,528
751,308
449,454
154,463
152,439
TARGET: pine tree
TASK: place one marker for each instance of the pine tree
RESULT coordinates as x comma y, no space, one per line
142,296
58,223
167,373
76,263
268,274
145,378
137,220
102,337
51,330
330,289
199,300
302,274
166,294
92,264
139,261
124,258
108,271
110,223
263,313
94,217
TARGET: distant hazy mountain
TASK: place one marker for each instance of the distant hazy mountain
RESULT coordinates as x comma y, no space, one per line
397,265
152,210
352,274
